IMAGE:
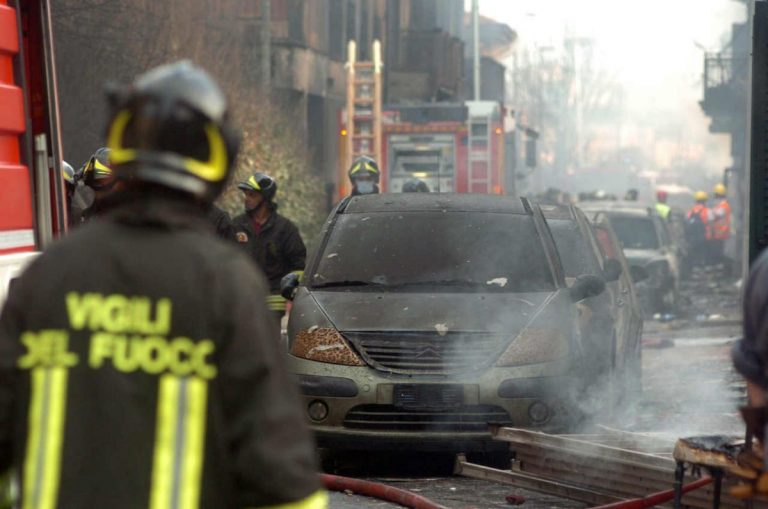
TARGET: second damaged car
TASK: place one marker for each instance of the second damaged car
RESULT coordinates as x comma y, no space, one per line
424,318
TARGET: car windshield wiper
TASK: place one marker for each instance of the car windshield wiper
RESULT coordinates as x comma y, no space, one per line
333,284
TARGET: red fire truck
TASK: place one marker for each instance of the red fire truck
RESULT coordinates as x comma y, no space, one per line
32,206
457,148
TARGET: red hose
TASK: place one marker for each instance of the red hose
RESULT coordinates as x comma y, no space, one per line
378,490
655,498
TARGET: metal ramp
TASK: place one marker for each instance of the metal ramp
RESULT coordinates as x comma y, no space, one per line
596,469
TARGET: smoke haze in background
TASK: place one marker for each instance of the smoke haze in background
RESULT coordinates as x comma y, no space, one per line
655,51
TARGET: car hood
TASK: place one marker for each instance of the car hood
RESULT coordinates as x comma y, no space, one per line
399,311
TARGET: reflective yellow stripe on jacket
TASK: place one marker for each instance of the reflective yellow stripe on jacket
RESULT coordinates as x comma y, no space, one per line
179,442
276,303
47,412
317,500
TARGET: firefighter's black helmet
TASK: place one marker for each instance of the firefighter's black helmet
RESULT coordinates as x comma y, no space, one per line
414,185
364,165
261,183
171,128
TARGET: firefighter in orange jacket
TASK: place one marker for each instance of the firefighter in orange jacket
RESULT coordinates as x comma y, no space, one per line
698,230
721,227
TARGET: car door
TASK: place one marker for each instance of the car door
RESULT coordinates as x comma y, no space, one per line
629,315
613,294
579,257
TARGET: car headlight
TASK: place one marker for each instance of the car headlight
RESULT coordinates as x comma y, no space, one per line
324,344
533,346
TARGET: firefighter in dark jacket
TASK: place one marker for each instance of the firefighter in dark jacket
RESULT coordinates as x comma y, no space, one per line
157,381
273,241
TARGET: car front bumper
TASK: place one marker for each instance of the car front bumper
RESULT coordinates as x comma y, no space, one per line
362,412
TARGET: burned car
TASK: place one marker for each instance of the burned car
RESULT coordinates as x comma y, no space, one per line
424,318
612,321
647,243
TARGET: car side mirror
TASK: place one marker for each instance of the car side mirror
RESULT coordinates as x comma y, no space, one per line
638,273
612,270
586,286
289,285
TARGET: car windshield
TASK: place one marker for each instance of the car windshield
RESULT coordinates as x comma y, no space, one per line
575,254
458,251
636,232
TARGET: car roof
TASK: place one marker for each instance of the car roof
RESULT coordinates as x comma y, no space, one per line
557,211
412,202
628,208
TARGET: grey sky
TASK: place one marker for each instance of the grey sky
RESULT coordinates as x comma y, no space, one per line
651,46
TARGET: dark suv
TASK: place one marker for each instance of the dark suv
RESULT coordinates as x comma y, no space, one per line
425,317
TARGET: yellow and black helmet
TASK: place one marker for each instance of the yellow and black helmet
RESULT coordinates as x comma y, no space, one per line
171,128
262,183
97,170
364,165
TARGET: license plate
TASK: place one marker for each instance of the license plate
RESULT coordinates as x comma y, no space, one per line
428,396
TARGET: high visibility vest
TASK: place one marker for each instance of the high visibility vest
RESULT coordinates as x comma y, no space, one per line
706,217
721,225
663,210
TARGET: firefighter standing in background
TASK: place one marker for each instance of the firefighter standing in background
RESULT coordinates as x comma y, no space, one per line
698,230
721,228
158,380
273,241
364,176
661,204
93,184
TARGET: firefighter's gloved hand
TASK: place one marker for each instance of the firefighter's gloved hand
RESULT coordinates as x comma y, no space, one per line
289,285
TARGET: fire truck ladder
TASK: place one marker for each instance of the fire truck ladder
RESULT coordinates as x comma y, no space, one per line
363,106
479,160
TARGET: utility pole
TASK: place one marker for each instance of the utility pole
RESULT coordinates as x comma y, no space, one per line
475,50
266,45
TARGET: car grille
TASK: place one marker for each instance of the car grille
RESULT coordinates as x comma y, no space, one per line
465,419
428,353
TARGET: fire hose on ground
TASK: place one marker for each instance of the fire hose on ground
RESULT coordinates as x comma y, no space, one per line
655,499
377,490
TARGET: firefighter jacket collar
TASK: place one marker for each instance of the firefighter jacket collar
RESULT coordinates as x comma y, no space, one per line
269,223
170,213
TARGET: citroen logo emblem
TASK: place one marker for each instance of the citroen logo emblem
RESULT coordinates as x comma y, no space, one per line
430,351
